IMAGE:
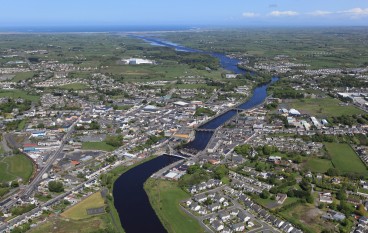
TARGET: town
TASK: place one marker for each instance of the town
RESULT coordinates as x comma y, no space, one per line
72,124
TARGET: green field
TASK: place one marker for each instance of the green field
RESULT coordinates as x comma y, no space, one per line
60,225
318,165
74,86
13,167
79,211
23,76
345,159
19,94
165,197
97,146
323,107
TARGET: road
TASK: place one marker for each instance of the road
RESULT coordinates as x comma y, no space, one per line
53,201
28,189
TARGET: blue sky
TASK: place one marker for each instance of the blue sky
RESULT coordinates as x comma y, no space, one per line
183,12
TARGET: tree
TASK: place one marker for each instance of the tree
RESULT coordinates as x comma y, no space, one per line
221,171
56,186
333,172
94,125
310,199
341,195
265,194
14,184
243,150
361,210
192,169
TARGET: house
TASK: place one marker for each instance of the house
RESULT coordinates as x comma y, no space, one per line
224,216
363,220
287,227
278,223
200,198
325,198
202,211
193,189
226,230
237,227
243,217
217,225
188,202
234,212
333,215
194,206
213,207
280,198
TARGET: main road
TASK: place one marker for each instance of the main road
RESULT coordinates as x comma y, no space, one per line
28,189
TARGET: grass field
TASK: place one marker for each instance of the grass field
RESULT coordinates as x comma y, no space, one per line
23,76
60,225
345,159
22,125
19,94
79,211
17,166
97,146
165,197
318,165
323,107
74,86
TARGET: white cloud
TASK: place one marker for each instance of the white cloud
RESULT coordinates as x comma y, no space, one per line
356,11
284,13
320,13
250,14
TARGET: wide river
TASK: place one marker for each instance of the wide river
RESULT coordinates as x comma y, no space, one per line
131,201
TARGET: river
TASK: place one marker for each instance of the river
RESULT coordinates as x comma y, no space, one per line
131,201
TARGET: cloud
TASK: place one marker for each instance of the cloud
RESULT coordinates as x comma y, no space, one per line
356,12
250,14
320,13
284,13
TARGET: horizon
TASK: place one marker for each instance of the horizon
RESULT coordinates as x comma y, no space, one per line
155,28
164,13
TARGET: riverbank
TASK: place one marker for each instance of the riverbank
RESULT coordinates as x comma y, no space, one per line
165,197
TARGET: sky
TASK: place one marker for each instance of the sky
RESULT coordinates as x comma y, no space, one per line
184,12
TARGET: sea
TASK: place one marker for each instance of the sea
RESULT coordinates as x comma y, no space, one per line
92,29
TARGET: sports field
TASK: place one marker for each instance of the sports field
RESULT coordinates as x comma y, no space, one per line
318,165
79,211
13,167
345,159
324,107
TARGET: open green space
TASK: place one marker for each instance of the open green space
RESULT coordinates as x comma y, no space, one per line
320,48
345,159
79,211
19,94
165,197
74,86
23,76
324,107
17,166
318,165
61,225
97,146
307,216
